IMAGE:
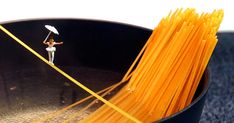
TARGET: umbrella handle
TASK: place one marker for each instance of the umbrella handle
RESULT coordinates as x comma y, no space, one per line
47,36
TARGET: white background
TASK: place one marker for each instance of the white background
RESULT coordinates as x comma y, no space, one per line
145,13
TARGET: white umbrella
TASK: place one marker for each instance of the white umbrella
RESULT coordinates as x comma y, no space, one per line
51,29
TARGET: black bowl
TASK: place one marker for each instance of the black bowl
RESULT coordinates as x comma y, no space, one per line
97,50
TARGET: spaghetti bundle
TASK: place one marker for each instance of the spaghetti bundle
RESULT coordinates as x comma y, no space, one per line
169,69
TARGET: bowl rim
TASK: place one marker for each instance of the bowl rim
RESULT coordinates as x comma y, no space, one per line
74,19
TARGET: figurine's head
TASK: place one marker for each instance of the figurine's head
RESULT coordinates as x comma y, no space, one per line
51,40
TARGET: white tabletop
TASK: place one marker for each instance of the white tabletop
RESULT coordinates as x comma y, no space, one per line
145,13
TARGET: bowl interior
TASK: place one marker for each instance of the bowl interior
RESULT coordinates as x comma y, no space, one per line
97,53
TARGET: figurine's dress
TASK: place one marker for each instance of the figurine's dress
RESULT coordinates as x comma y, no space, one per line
51,49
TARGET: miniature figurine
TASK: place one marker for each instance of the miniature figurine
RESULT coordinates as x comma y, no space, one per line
51,49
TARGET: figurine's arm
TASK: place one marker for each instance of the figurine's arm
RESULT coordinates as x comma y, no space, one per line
44,42
58,43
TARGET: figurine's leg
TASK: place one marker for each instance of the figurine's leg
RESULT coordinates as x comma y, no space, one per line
52,57
49,55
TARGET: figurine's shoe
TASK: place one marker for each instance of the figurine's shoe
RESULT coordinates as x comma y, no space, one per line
51,63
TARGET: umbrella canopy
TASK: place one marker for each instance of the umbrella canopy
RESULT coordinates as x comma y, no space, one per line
52,29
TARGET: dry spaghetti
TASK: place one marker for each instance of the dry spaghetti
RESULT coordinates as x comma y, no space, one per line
169,71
